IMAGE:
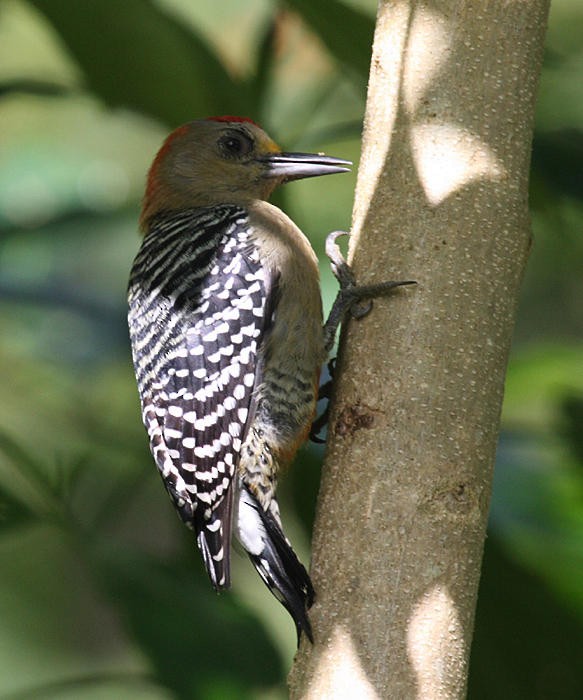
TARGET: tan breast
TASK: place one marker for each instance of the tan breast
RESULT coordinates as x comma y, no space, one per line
297,336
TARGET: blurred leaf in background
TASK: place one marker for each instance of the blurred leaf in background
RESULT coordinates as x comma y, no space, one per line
102,593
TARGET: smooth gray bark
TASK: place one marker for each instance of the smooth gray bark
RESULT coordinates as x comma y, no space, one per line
442,199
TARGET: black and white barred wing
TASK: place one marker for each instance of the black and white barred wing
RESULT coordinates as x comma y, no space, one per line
197,398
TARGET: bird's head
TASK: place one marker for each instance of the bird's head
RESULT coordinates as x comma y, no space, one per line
224,160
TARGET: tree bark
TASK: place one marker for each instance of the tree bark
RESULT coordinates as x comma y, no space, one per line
441,198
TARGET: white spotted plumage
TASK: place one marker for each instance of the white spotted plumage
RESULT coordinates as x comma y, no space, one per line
196,375
227,339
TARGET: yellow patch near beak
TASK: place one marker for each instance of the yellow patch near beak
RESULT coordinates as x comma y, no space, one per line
268,146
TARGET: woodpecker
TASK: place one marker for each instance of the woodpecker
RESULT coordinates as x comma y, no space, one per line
227,334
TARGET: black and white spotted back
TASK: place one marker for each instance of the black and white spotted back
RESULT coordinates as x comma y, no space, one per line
200,304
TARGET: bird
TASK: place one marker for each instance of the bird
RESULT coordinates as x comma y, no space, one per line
228,339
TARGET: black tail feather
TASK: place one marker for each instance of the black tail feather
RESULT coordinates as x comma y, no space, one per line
282,572
213,537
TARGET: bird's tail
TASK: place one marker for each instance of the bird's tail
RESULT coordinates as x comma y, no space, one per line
276,562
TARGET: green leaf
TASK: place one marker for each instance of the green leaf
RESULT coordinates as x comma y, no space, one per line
572,411
33,489
537,510
526,644
26,489
557,157
134,55
26,86
259,82
538,379
347,33
200,645
14,512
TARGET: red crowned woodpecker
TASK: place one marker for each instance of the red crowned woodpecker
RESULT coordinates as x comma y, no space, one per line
225,319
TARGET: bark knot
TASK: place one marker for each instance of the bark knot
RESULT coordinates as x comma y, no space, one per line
352,418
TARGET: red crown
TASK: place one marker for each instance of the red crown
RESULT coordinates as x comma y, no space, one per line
230,118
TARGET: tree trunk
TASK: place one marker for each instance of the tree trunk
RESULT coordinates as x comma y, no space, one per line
442,199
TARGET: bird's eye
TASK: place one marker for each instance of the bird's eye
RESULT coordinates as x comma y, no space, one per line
235,145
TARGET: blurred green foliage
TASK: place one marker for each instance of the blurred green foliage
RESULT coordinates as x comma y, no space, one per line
101,591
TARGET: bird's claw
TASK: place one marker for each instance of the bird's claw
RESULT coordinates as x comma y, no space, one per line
353,298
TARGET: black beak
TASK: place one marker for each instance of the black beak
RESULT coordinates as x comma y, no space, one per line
296,166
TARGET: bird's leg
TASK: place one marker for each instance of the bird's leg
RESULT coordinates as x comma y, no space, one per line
351,297
324,392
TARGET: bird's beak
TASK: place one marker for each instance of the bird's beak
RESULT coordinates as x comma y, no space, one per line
296,166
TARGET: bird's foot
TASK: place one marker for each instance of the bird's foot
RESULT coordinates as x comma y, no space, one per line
353,298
